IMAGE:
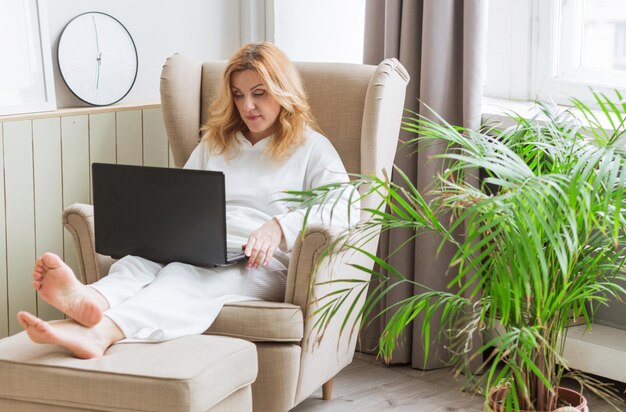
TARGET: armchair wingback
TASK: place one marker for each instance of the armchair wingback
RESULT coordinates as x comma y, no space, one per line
359,108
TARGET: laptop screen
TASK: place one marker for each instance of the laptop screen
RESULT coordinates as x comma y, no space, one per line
162,214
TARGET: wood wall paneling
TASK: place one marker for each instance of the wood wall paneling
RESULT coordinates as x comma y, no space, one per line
155,146
4,292
75,169
129,143
45,167
101,141
102,138
48,196
20,213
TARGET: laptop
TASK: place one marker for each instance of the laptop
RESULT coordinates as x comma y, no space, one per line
162,214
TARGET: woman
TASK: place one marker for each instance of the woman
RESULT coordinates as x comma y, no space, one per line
261,135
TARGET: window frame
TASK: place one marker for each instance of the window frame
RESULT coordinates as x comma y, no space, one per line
40,58
540,39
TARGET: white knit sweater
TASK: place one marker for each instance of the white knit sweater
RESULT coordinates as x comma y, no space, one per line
255,183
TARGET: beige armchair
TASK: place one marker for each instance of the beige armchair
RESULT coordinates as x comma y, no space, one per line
359,108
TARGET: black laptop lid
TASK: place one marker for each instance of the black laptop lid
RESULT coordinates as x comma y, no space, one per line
162,214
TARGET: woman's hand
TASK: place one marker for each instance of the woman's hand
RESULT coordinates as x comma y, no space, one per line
262,243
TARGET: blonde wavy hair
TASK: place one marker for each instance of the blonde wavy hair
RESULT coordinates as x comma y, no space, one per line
283,83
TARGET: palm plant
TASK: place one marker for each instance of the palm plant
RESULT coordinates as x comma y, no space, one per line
544,235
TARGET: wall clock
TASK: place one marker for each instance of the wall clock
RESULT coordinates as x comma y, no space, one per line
97,58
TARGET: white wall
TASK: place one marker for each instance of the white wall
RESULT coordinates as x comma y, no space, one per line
320,30
203,29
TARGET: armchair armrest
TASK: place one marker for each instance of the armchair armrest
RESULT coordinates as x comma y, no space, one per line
301,289
325,353
78,220
305,253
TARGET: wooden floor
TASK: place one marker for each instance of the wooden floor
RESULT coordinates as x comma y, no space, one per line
368,385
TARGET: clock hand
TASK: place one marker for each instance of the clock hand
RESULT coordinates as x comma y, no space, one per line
95,29
99,57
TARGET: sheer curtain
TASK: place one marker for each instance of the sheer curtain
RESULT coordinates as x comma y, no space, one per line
440,43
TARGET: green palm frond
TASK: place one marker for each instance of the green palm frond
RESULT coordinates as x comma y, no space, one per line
544,239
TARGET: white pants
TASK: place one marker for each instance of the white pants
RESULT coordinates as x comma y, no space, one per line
150,301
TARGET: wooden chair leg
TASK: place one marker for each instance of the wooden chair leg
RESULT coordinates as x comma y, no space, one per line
327,390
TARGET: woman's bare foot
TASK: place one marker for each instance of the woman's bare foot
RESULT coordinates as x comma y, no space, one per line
57,284
83,342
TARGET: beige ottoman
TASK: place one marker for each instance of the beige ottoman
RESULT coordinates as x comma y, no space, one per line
194,373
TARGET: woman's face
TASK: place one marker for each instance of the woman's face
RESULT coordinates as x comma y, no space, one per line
258,109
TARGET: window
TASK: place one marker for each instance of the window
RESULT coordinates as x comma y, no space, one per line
556,49
26,81
321,30
619,46
604,35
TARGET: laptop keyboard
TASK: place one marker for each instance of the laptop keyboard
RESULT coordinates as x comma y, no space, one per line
234,254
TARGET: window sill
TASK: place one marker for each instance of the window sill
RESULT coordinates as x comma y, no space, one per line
498,112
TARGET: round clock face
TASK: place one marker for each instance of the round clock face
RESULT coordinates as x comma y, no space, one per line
97,58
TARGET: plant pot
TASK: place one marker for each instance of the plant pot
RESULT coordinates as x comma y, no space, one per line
570,396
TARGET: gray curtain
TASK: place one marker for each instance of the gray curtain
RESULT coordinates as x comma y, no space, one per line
440,43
